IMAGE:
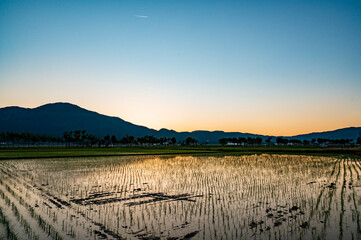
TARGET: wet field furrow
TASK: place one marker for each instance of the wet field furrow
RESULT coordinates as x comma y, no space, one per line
348,220
331,187
356,212
342,212
312,219
358,166
355,170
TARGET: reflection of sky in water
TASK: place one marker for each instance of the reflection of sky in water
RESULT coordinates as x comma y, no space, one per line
208,197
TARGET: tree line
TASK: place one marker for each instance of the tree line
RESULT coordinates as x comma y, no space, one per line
337,141
285,141
319,141
82,138
27,138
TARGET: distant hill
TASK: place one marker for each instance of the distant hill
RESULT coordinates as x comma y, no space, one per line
53,119
344,133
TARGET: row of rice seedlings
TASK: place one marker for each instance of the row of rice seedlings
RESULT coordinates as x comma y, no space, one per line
332,217
18,221
353,165
84,220
24,223
331,193
46,227
73,222
355,214
348,210
357,166
337,217
357,169
69,224
340,236
350,218
100,210
319,209
356,208
51,214
9,232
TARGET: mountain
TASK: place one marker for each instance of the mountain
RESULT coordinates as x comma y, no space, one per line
344,133
55,118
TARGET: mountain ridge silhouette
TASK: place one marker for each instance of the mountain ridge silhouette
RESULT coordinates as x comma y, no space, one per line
55,118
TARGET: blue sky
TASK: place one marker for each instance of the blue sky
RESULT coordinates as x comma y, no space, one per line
268,67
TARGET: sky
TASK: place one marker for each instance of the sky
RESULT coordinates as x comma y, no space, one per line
266,67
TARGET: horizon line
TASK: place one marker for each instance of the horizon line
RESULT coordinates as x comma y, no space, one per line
182,131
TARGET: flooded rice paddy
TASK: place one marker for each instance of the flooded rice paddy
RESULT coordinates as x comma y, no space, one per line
182,197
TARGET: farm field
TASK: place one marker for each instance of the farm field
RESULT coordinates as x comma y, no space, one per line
7,153
181,197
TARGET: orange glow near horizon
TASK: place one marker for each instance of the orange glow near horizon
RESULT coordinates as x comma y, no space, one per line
157,116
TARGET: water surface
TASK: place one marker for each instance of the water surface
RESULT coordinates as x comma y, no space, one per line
183,197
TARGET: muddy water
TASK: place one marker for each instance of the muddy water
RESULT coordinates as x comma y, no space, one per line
183,197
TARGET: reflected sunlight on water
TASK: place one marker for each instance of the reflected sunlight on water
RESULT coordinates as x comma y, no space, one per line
183,197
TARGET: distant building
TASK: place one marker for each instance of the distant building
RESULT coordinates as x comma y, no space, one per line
232,144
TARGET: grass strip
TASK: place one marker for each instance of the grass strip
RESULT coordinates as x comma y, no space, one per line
60,152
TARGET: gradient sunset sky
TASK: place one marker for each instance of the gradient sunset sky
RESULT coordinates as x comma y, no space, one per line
265,67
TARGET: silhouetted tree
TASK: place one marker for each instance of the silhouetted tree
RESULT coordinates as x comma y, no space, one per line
258,140
250,140
114,140
306,142
67,136
127,140
83,136
242,140
148,140
280,140
223,141
77,135
106,140
191,141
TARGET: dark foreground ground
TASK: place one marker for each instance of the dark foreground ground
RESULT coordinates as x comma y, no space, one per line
57,152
